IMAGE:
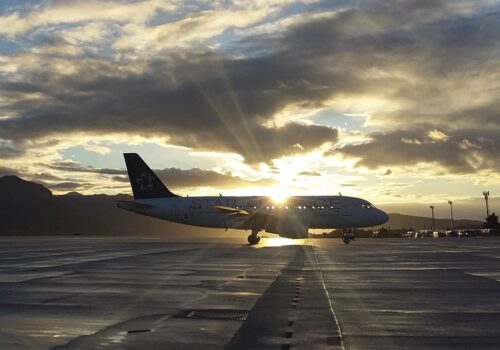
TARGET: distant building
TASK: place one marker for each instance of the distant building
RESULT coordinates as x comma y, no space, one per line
492,222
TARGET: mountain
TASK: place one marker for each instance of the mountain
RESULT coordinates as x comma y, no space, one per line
399,221
31,209
472,208
15,188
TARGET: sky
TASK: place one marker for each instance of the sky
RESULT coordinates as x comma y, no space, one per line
393,101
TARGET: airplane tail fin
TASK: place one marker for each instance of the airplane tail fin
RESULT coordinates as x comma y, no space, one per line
145,184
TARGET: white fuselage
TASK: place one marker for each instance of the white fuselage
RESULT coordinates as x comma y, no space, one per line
310,211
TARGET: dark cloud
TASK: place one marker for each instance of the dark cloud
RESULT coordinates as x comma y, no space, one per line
429,57
76,167
42,177
8,171
69,186
180,178
309,173
120,179
173,177
459,151
425,55
7,151
211,103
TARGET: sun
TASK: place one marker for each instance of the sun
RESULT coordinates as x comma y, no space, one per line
279,195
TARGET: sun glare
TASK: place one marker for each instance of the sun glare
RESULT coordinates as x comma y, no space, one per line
279,195
280,242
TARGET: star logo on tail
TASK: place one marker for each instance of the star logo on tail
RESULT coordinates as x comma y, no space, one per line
145,182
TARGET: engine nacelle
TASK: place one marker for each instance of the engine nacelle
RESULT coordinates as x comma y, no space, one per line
288,229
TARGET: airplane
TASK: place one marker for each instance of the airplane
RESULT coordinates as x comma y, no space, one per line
291,218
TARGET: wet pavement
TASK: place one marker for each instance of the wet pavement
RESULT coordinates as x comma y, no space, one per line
152,293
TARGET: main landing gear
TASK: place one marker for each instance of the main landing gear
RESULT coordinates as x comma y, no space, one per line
254,238
347,236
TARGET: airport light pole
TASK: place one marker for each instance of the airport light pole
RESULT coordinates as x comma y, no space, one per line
451,209
433,223
486,195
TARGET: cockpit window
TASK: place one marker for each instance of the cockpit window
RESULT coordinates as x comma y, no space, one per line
367,206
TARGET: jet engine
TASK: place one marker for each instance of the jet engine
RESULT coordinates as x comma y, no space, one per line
288,229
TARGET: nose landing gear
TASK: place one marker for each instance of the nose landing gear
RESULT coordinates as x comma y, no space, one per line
254,238
347,236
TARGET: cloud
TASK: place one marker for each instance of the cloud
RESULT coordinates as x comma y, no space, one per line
179,178
8,171
93,147
348,185
195,29
70,186
173,177
425,73
214,104
452,153
309,173
7,151
437,136
70,166
71,12
43,177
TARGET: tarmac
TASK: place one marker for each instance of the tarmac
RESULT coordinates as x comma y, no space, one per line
155,293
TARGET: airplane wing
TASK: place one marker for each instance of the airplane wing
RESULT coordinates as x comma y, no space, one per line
231,211
270,222
251,219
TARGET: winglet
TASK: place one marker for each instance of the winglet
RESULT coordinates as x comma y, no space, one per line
145,184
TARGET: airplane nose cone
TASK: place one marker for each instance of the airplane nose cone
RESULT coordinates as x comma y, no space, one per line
383,217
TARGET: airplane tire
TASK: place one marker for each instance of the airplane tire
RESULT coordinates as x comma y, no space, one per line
253,239
346,240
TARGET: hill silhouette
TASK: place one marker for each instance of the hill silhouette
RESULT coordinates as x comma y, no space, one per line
16,189
399,221
29,208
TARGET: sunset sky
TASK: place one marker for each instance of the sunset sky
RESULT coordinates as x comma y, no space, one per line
397,102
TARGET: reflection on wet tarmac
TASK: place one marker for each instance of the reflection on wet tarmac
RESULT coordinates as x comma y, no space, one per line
82,293
279,242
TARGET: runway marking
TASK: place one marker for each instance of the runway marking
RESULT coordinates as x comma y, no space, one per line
339,330
287,318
